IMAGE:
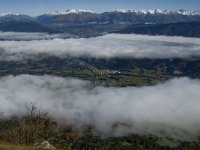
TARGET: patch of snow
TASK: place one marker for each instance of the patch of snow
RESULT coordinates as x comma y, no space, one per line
3,14
159,11
71,11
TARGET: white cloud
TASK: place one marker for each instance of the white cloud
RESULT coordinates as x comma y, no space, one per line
111,45
168,109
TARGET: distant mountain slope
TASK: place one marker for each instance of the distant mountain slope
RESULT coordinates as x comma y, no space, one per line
4,17
25,26
186,29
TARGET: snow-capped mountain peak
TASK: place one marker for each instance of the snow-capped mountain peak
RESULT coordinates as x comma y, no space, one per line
149,11
123,10
144,12
3,14
188,12
158,11
71,11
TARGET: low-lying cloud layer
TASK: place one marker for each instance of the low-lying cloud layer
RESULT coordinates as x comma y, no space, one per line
111,45
171,108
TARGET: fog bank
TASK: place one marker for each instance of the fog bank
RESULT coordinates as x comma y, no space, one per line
169,109
107,46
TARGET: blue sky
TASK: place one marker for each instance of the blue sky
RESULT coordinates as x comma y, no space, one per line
36,7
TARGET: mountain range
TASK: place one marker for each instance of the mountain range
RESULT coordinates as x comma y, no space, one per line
87,23
148,11
75,16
